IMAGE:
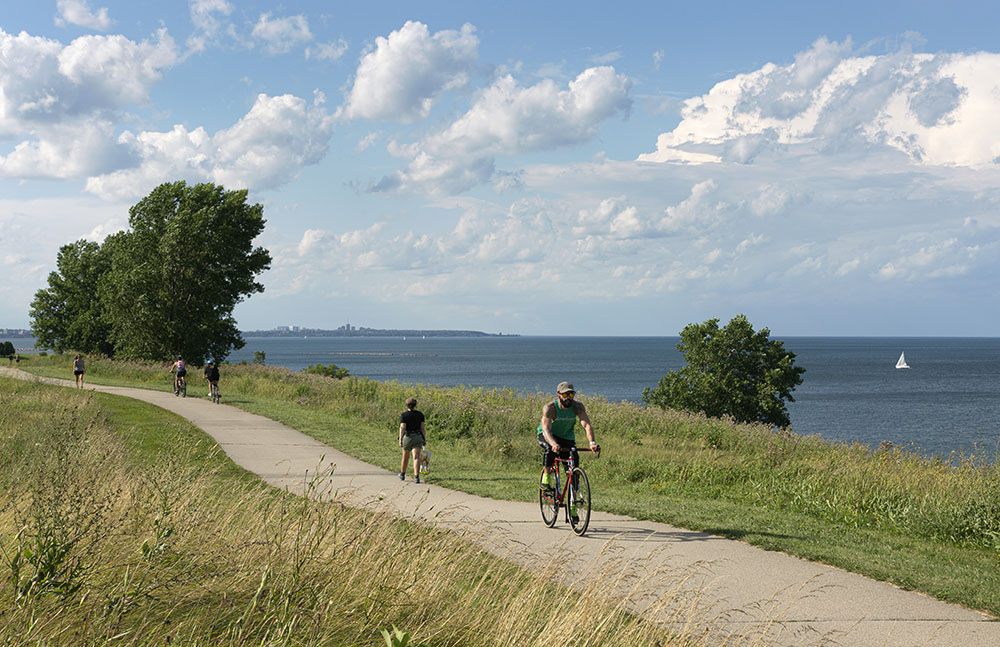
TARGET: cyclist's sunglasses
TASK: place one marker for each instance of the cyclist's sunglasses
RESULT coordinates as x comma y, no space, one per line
569,395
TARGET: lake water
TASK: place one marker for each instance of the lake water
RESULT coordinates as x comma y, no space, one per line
948,401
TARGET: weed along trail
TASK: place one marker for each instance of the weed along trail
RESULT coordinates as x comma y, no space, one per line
745,594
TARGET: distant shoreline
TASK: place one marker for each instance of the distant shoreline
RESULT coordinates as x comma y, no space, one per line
369,332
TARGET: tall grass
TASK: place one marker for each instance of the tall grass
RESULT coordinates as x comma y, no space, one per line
955,501
103,542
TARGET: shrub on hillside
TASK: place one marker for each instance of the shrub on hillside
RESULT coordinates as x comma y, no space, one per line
331,370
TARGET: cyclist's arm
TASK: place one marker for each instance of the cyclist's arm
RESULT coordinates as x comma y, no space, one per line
547,429
585,423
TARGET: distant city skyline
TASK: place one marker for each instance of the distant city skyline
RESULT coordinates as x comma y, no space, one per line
536,168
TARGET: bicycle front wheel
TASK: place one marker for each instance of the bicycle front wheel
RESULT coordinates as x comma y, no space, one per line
548,503
579,492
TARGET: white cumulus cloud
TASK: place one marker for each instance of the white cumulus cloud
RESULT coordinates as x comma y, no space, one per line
265,148
42,81
280,35
509,119
700,211
66,151
401,78
327,51
208,18
77,12
937,109
59,104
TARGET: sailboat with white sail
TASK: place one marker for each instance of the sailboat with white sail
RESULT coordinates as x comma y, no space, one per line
902,361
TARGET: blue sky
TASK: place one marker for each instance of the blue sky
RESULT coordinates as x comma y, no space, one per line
534,168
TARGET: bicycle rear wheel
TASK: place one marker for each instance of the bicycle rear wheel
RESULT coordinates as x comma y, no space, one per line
579,493
183,385
548,503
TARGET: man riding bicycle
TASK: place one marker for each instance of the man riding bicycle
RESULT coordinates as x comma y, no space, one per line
212,375
556,433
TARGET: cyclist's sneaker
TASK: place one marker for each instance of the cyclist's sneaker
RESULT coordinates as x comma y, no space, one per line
416,479
572,513
402,477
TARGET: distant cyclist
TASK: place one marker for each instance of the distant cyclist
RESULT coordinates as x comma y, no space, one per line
212,375
177,368
556,433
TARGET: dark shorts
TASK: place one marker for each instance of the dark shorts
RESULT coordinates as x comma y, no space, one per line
77,372
182,372
566,448
413,441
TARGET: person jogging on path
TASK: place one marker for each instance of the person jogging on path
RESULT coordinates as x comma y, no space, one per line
411,438
556,433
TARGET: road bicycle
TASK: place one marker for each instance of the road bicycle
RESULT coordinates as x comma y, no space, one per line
216,396
571,492
181,388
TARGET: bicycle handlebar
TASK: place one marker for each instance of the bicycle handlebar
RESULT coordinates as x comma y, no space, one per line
595,450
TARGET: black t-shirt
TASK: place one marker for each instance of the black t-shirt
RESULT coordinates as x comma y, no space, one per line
212,373
412,419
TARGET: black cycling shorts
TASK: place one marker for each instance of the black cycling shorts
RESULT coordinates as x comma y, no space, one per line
566,447
181,372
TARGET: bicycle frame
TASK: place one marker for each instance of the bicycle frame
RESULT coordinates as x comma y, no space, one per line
562,491
567,493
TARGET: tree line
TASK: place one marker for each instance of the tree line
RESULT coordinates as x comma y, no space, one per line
164,287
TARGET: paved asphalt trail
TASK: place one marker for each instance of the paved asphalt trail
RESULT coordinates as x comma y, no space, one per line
657,569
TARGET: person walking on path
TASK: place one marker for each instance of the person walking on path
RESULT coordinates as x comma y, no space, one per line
78,370
412,437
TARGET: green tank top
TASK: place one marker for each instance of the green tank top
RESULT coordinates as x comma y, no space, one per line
564,424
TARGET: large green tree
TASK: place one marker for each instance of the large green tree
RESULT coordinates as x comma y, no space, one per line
167,286
180,270
731,371
67,314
